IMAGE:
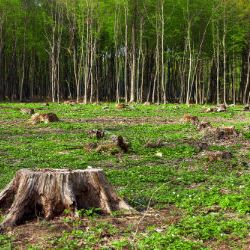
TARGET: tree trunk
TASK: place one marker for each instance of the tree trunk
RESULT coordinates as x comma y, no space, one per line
49,192
190,54
117,62
126,56
133,66
224,57
247,79
87,59
162,53
218,69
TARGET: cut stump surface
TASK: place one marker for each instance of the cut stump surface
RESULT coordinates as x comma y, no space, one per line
47,193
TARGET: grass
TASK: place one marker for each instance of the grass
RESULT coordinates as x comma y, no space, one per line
211,199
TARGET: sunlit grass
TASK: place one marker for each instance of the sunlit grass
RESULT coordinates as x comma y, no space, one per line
179,177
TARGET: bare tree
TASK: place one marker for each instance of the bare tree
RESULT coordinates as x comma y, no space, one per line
54,37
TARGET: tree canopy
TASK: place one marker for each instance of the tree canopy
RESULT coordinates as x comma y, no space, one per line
137,50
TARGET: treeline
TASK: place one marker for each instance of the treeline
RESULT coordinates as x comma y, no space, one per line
125,50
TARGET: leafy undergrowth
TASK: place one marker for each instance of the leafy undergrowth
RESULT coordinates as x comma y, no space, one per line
209,201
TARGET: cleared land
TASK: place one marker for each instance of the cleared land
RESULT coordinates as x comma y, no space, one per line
185,200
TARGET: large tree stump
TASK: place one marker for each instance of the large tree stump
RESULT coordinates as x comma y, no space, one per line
47,193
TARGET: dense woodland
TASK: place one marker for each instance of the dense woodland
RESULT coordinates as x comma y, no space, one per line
159,51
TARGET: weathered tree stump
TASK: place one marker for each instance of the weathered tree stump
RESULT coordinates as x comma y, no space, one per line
120,106
47,193
204,125
218,155
26,111
222,108
246,108
192,119
46,118
210,110
96,133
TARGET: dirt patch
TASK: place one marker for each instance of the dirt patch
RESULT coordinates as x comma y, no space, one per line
217,155
124,120
40,233
12,122
48,130
234,120
230,244
8,107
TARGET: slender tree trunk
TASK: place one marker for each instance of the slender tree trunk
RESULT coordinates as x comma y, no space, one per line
87,59
247,97
117,62
224,57
233,80
126,55
190,54
92,52
190,65
139,63
218,68
22,73
162,53
142,77
1,57
133,66
53,70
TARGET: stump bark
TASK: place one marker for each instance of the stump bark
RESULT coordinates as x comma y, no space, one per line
47,193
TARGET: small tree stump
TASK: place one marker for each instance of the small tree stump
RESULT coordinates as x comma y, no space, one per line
204,125
192,119
246,108
120,106
218,155
96,133
210,110
47,193
222,108
46,118
25,111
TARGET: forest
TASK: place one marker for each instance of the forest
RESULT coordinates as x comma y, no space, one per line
125,124
158,51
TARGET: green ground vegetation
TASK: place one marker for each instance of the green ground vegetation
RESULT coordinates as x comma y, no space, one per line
203,204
